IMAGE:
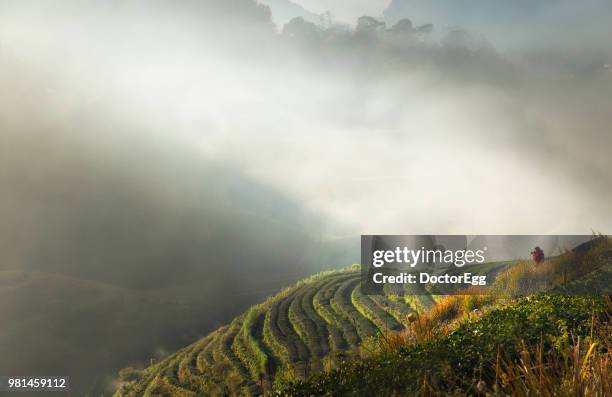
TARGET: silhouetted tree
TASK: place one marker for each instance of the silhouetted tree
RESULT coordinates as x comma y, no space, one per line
403,26
368,26
300,29
424,30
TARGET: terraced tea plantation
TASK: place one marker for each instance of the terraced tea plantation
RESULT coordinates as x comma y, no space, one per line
323,318
299,331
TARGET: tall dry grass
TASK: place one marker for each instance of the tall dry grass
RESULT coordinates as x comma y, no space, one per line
526,278
436,321
581,370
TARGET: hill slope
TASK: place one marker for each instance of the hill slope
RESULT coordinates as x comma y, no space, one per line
476,357
556,342
88,329
285,10
317,324
296,333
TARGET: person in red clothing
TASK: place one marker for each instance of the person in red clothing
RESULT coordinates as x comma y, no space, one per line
537,255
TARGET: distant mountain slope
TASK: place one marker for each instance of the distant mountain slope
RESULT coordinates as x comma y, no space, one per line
468,12
285,10
89,329
517,23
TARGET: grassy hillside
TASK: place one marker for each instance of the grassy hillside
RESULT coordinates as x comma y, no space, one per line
543,345
557,342
296,333
311,339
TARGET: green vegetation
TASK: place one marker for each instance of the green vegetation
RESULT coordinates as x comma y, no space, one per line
324,337
553,344
457,362
292,335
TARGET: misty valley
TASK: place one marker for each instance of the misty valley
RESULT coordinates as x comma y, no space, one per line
184,186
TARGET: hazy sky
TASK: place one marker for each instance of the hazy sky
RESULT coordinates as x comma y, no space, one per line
431,132
345,10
